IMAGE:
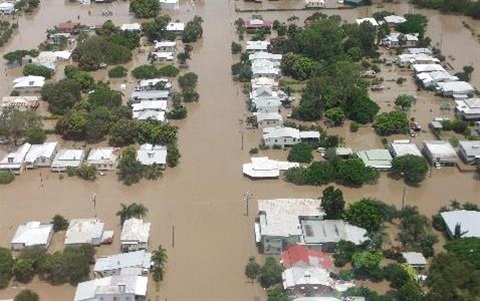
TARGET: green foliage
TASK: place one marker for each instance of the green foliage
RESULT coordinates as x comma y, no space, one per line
59,223
61,96
333,203
415,231
104,96
72,125
159,258
297,66
353,172
17,55
252,269
87,172
344,252
190,95
6,177
23,270
178,112
152,172
145,8
27,295
415,23
354,126
322,39
412,168
364,263
277,294
466,249
236,48
173,155
130,171
368,293
83,79
188,80
37,70
122,132
301,152
459,126
145,72
466,7
367,213
117,72
155,31
397,274
14,124
168,71
404,101
156,133
270,273
193,30
6,266
132,210
97,50
336,115
394,122
35,135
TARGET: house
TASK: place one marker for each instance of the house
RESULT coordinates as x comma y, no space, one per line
417,50
175,26
314,3
135,235
20,102
447,89
149,154
430,80
30,83
258,24
154,115
170,4
302,256
121,288
66,158
256,46
69,27
300,281
439,152
41,155
104,158
87,231
407,59
469,151
265,104
32,234
278,222
146,109
262,55
403,147
415,259
468,109
263,168
157,84
131,27
280,136
418,68
377,158
370,20
134,263
168,46
265,68
468,221
150,95
394,20
162,56
343,152
15,161
52,56
264,82
268,119
7,8
397,39
325,234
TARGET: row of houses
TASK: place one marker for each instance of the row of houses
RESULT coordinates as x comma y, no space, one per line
150,99
29,156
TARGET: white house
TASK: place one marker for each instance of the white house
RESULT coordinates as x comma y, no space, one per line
280,136
268,119
15,161
397,39
468,109
403,147
370,20
278,221
439,152
265,104
152,154
377,158
256,46
163,56
7,8
300,281
265,68
175,26
263,55
66,158
134,263
169,46
430,80
28,83
469,151
415,259
418,50
418,68
131,27
260,82
453,88
135,235
41,155
154,115
113,288
468,221
149,94
170,4
393,20
85,231
32,234
263,168
407,59
149,109
152,84
104,158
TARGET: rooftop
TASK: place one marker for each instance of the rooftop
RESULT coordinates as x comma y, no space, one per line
426,67
468,220
149,154
131,284
29,81
131,27
414,258
268,116
139,259
135,230
471,148
103,154
40,150
371,20
377,158
440,149
33,234
328,231
280,132
263,167
394,19
16,157
83,231
297,253
151,94
401,148
175,26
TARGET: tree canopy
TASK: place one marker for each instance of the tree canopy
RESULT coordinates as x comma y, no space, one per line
145,8
333,203
412,168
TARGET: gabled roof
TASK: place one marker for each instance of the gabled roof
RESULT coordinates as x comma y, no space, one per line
175,26
371,20
280,132
83,231
140,259
30,81
131,27
471,148
131,284
40,150
393,19
16,157
297,253
103,154
135,230
414,258
468,220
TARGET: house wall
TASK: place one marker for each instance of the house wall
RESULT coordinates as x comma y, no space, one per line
302,290
129,247
465,157
269,109
17,169
272,245
118,297
269,123
467,116
105,166
17,247
286,141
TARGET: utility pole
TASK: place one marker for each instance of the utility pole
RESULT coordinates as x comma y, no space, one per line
242,139
94,201
403,196
173,236
246,196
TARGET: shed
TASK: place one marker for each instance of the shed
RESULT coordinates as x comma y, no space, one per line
415,259
441,152
377,158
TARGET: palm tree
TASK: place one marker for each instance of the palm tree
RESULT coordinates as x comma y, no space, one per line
132,210
159,258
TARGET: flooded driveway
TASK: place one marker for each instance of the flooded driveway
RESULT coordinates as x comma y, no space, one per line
202,198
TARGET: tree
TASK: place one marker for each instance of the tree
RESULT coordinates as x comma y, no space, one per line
188,80
236,48
297,66
364,263
173,155
333,203
397,274
14,124
145,8
6,177
122,132
466,249
6,266
321,40
130,171
412,168
252,269
72,125
366,213
270,273
190,95
353,172
336,115
36,135
155,132
410,291
415,23
159,258
415,231
193,30
133,210
61,96
344,252
60,223
27,295
404,101
23,270
96,51
182,58
83,79
277,294
301,152
37,70
394,122
117,72
87,172
169,71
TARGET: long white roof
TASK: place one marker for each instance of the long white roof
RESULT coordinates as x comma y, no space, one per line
400,148
440,149
175,26
40,150
468,220
29,81
426,68
88,290
263,167
17,157
33,234
131,27
280,132
140,259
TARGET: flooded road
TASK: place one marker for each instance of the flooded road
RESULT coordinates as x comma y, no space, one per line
202,198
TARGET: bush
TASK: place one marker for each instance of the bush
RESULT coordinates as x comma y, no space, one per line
173,155
395,122
253,151
37,70
270,273
343,253
466,249
59,223
27,295
117,72
354,126
168,71
145,8
87,172
130,171
145,72
188,80
6,266
152,172
23,270
236,48
178,112
36,135
301,152
190,95
6,177
459,126
412,168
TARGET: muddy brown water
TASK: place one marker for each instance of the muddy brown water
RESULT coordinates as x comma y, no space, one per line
202,198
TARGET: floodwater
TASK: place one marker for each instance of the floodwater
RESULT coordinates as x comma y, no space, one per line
197,210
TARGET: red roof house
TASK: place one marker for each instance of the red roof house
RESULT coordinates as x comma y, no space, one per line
68,26
301,256
257,24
